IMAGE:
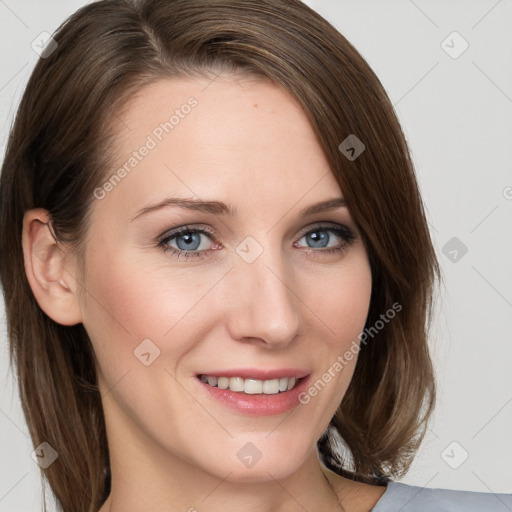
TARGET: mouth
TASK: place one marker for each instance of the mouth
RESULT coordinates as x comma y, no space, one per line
253,392
251,386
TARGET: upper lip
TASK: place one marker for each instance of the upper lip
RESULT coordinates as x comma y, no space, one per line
258,374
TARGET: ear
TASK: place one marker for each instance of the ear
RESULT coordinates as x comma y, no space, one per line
48,270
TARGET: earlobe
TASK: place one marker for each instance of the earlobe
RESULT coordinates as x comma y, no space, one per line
48,270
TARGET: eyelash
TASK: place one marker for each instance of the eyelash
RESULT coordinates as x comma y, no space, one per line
344,232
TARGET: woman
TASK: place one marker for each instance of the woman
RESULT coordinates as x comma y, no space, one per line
216,266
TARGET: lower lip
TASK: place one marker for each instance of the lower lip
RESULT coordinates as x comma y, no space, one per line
260,404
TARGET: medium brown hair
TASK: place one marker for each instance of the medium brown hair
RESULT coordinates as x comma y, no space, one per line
58,152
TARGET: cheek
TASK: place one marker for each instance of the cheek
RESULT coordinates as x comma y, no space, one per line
343,302
341,306
127,303
142,323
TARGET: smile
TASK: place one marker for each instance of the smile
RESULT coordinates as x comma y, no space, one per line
251,386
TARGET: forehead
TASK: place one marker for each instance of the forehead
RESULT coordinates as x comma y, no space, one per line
221,139
227,108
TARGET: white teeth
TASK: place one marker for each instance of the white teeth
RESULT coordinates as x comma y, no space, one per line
223,383
271,387
251,386
236,384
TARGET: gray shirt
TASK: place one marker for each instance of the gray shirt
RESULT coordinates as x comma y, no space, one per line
400,497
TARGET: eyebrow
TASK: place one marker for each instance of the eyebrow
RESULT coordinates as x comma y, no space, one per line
220,208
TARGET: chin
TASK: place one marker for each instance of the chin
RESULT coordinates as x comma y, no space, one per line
259,457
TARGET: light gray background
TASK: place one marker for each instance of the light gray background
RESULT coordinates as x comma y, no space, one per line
457,116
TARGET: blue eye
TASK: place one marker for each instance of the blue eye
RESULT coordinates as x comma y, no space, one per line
188,240
320,236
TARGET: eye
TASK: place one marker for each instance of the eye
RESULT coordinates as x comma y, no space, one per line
189,244
188,241
321,236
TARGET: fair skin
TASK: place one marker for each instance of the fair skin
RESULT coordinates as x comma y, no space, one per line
172,446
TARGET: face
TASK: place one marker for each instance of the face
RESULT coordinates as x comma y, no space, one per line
257,288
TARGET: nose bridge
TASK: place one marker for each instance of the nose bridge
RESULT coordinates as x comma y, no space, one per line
265,304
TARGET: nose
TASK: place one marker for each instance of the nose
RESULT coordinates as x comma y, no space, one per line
263,302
